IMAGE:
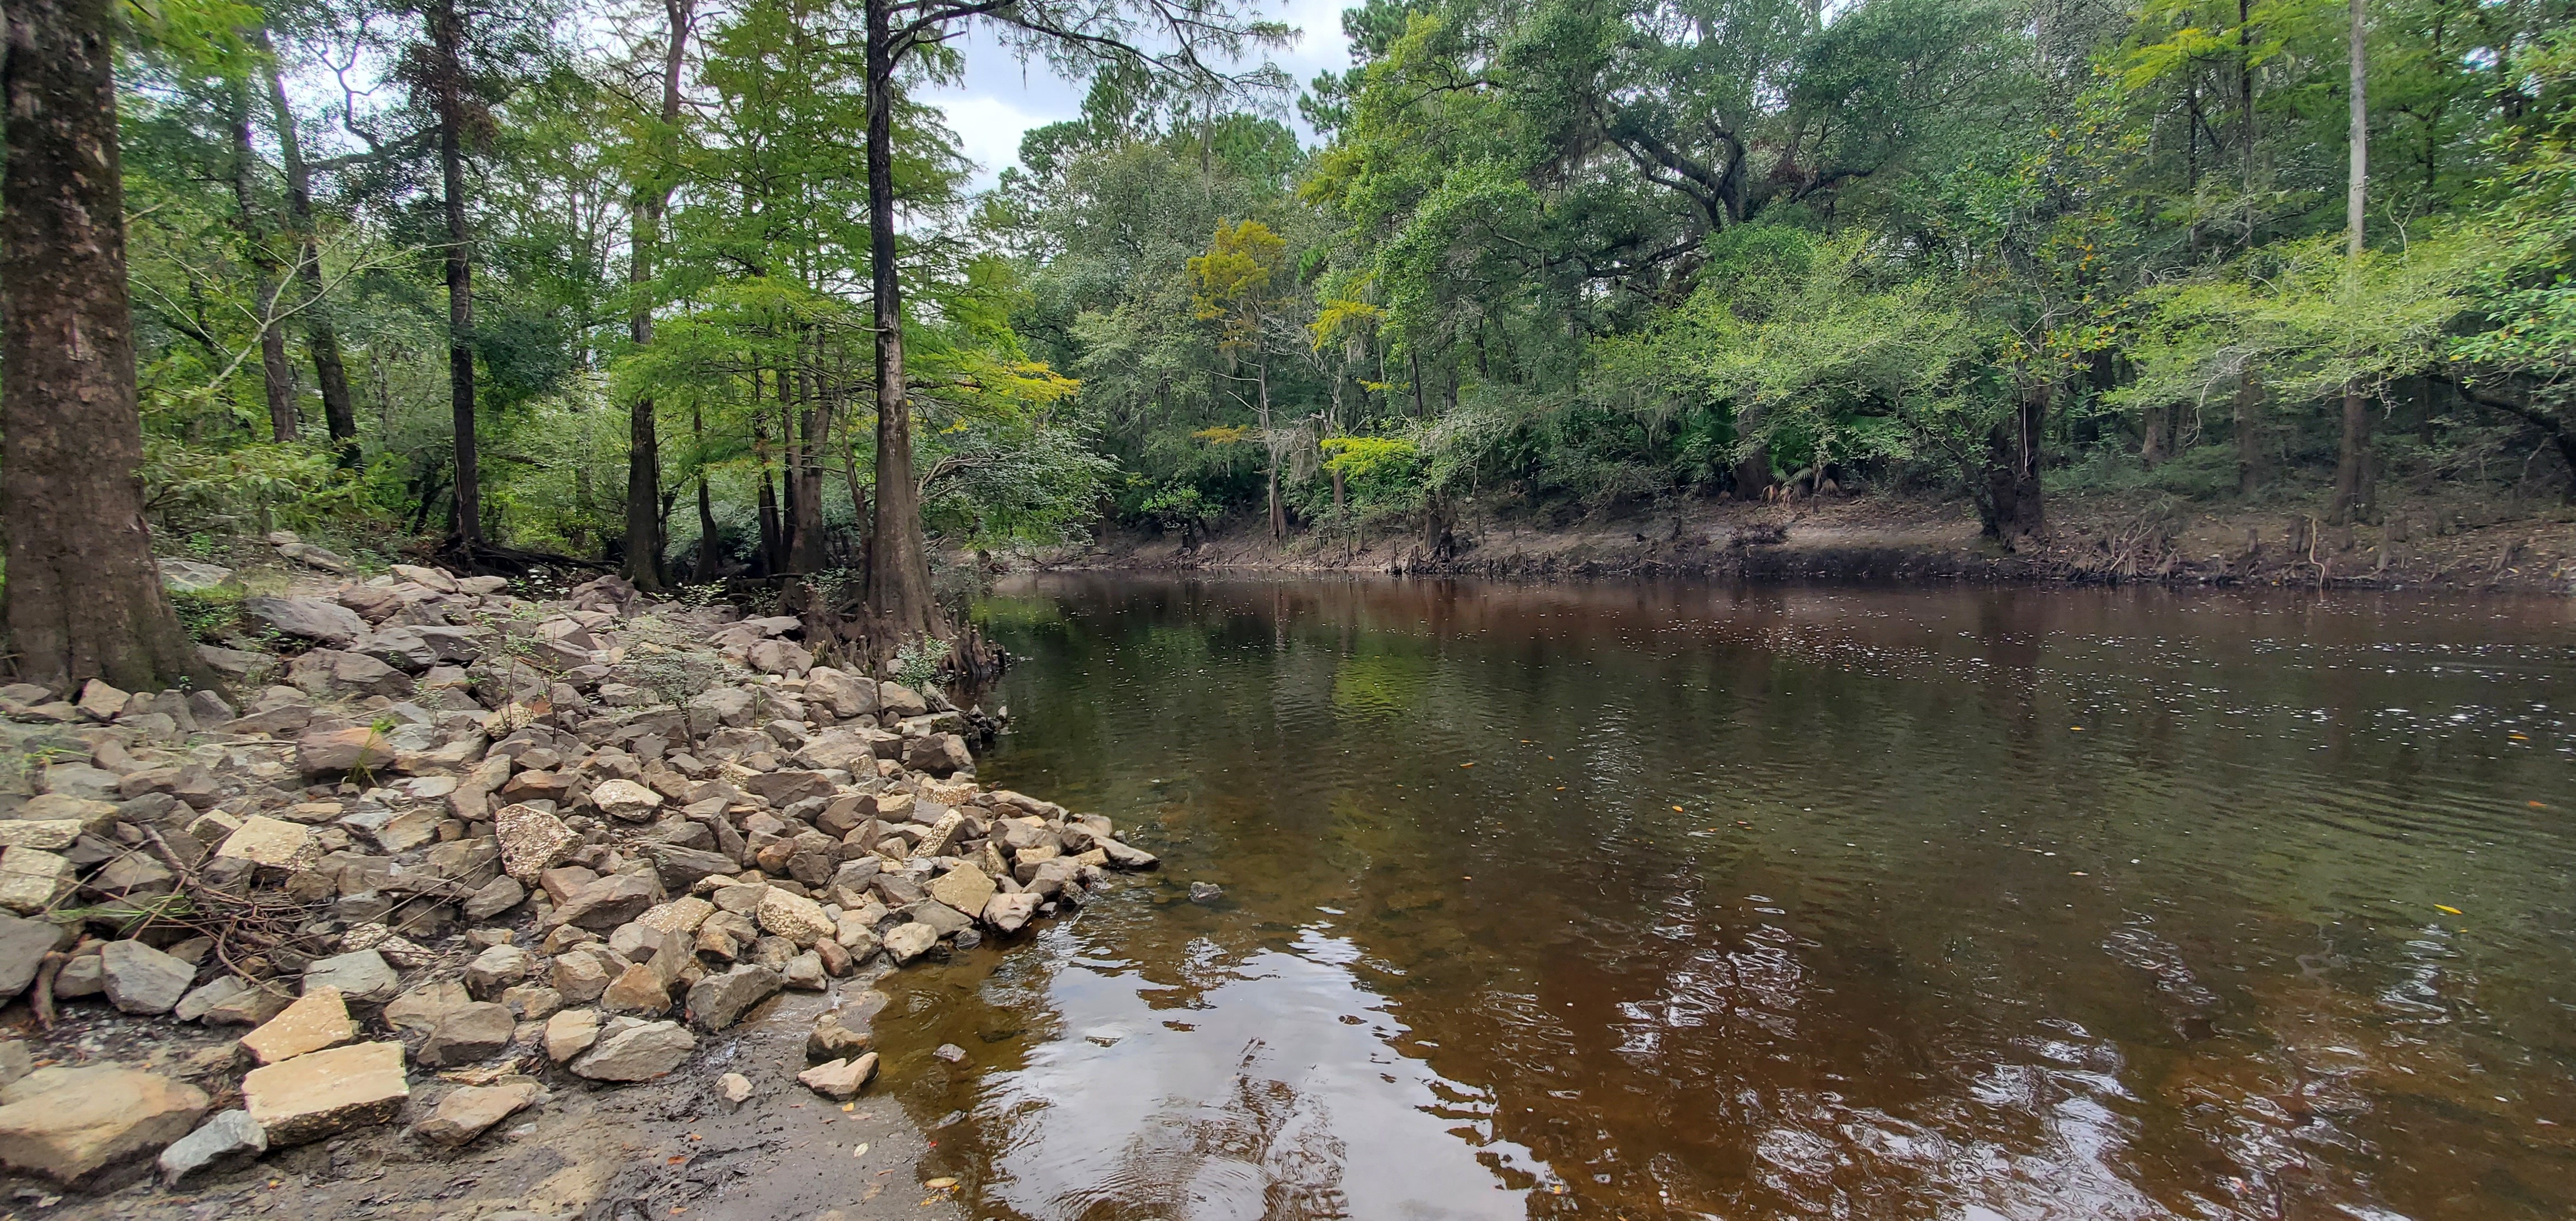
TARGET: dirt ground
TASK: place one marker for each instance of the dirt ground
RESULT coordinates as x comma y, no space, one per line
2460,544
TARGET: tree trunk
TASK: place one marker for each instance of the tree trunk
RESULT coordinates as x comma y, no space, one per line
811,552
2352,458
2156,444
276,376
446,36
339,412
2015,514
84,599
2245,105
706,569
645,543
899,596
2249,430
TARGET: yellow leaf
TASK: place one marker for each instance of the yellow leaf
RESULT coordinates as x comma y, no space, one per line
2446,908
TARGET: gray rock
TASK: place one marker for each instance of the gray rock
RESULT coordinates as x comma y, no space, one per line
68,1123
473,1110
140,979
361,976
197,1003
469,1033
307,618
633,1050
496,969
910,941
608,902
718,1001
680,868
190,577
230,1139
23,945
497,896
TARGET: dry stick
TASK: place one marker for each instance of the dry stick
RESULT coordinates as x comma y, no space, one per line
46,968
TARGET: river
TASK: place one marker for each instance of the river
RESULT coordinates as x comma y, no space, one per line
1751,902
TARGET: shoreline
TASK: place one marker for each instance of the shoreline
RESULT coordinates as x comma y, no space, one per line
2102,541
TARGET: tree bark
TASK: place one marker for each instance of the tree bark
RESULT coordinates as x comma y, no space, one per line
810,552
2015,514
2249,430
899,596
84,598
645,543
707,568
2352,488
321,339
447,71
277,377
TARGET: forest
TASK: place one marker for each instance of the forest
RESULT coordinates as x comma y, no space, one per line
702,290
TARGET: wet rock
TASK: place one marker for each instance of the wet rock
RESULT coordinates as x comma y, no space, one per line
319,1020
632,1050
1125,857
839,1080
804,972
229,1140
327,1092
361,976
471,1111
67,1124
964,888
950,1052
570,1033
910,941
833,1041
1206,892
720,1000
734,1088
140,979
532,840
1009,913
469,1033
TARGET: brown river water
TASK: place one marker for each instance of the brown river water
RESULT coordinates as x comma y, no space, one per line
1776,902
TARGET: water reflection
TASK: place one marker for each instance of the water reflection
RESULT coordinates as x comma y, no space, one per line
1681,901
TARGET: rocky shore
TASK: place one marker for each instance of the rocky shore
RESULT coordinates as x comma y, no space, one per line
462,860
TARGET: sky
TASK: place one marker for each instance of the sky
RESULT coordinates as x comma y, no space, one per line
1002,97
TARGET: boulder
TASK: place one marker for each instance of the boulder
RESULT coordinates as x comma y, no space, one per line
570,1033
273,842
680,868
847,695
895,701
230,1139
304,618
431,578
964,888
910,941
608,902
23,946
626,801
720,1000
362,976
140,979
794,917
497,896
327,1092
331,752
633,1050
779,657
497,969
784,789
31,879
469,1033
637,991
101,702
190,577
323,673
939,754
532,840
78,1120
1009,913
471,1111
318,1020
839,1080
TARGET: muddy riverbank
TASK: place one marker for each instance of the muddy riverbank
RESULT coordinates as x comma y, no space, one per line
2426,543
